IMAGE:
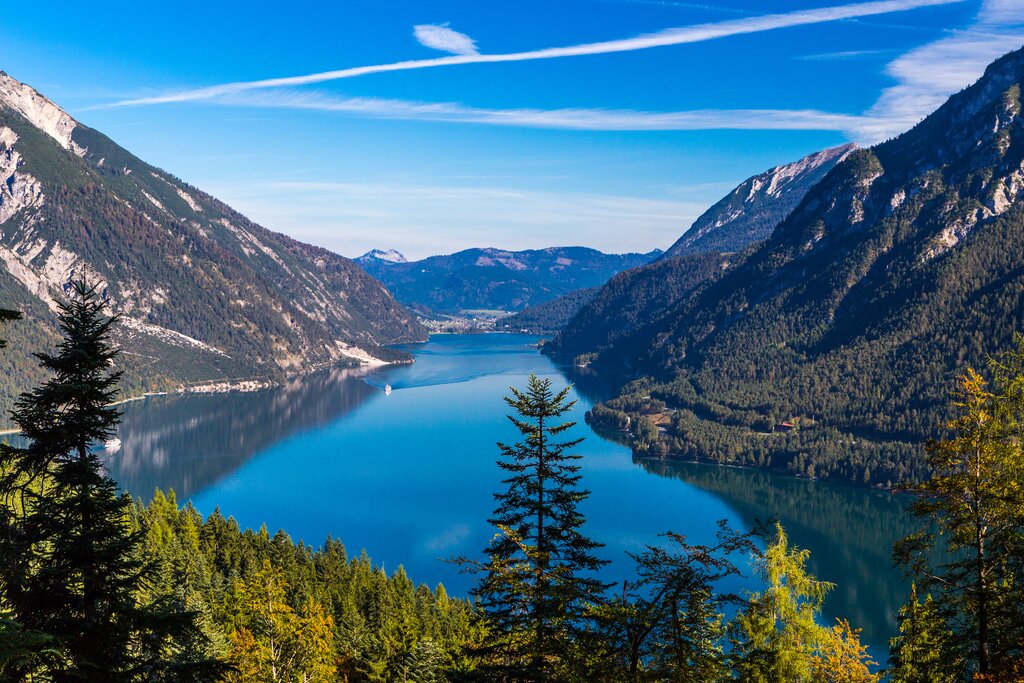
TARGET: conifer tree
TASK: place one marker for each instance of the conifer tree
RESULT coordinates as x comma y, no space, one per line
71,566
924,651
668,624
776,637
538,580
971,508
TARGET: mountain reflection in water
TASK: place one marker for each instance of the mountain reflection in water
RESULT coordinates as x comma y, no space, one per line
409,476
849,530
189,442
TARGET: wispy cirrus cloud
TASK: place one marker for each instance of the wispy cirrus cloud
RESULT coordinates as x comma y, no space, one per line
673,36
440,37
926,76
594,119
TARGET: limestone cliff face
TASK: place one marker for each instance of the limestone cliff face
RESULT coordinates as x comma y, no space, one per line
756,206
204,293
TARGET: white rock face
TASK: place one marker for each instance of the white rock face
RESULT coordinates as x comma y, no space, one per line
751,198
192,203
170,336
17,190
41,112
780,177
388,256
40,280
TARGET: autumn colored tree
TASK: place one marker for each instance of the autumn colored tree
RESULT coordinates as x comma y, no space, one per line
274,643
775,636
841,658
971,509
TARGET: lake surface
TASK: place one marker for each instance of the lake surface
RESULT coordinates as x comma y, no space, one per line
409,476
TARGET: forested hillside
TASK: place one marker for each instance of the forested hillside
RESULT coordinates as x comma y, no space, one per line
205,294
549,316
850,322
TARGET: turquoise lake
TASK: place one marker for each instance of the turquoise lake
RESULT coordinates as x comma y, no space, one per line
409,476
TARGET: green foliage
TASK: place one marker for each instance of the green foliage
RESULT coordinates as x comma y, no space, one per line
377,627
925,651
972,508
537,583
668,623
73,573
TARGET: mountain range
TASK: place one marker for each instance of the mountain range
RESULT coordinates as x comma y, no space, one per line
495,279
830,348
746,215
756,206
204,294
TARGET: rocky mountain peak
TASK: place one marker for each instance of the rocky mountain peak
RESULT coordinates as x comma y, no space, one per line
753,209
381,255
40,111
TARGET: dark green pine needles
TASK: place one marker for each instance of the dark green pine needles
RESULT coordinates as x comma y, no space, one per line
537,582
73,572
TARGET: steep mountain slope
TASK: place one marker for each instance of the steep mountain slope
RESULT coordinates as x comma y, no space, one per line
756,206
650,293
494,279
630,302
901,267
204,293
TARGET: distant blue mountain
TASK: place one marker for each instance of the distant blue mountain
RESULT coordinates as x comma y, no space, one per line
495,279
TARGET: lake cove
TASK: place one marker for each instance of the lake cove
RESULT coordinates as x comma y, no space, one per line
409,475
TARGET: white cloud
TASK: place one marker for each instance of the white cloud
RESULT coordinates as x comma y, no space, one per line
352,217
564,119
672,36
927,76
444,39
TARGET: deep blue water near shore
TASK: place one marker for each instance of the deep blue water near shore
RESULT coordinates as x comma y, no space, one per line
409,476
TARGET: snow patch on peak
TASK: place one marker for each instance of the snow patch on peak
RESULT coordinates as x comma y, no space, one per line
388,256
40,112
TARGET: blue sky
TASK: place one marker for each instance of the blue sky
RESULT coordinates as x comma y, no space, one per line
652,112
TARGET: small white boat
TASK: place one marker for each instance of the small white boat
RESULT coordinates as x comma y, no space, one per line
113,445
387,389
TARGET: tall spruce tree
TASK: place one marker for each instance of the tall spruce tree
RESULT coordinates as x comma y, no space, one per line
70,556
538,580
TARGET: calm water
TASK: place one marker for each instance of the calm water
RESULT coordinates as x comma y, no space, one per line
409,476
